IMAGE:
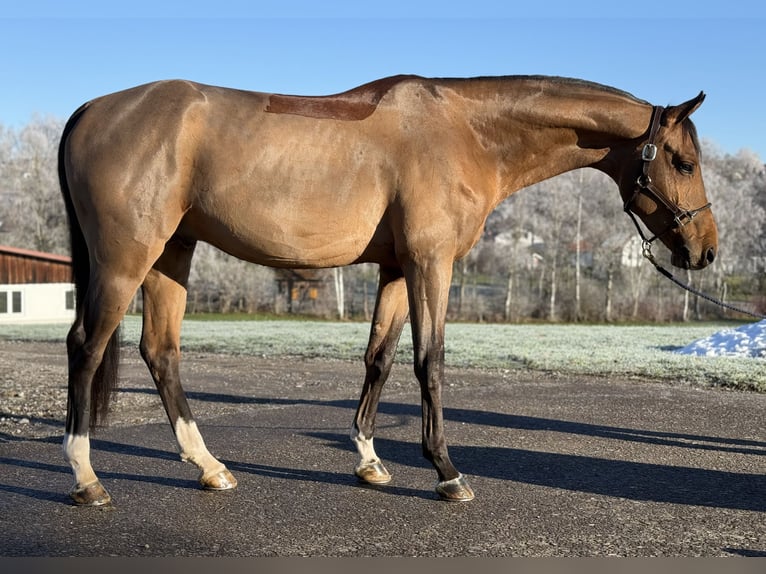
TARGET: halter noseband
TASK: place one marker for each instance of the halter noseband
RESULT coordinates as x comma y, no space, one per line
644,185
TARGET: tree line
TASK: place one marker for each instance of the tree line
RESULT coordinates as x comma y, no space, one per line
560,250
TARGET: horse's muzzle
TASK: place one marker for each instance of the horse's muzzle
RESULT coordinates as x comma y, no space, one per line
683,258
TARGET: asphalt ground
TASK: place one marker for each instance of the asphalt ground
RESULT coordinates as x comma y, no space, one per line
562,466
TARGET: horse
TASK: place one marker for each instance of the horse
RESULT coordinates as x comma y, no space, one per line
402,172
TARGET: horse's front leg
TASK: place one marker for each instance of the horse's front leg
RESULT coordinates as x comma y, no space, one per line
388,319
428,289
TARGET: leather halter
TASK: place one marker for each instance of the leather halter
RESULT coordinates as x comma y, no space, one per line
644,185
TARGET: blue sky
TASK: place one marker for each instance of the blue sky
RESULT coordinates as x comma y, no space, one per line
56,55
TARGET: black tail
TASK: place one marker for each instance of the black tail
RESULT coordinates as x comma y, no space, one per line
105,379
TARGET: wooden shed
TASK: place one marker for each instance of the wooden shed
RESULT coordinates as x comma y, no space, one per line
300,288
35,287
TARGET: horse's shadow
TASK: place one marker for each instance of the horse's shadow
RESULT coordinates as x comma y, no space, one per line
508,421
625,479
618,478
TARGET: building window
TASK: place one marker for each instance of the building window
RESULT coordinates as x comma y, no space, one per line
16,302
69,301
10,304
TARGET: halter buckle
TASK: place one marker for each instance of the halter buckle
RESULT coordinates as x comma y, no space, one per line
681,219
649,152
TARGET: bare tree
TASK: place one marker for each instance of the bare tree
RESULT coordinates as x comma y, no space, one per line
32,209
221,283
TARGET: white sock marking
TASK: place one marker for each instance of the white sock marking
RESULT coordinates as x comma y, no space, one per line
364,446
193,449
76,450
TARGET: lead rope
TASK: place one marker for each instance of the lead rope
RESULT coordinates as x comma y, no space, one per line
646,251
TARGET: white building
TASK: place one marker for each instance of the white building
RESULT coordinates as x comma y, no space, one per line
35,287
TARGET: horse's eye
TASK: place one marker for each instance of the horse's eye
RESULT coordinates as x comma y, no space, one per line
686,167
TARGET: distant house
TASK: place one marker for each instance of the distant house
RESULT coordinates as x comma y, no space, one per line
35,287
585,253
529,246
531,249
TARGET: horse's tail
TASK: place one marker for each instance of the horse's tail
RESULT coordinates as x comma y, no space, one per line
105,380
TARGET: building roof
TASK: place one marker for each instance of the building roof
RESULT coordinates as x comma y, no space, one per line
31,254
25,266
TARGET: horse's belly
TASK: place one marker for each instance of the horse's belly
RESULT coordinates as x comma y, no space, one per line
295,205
300,235
291,246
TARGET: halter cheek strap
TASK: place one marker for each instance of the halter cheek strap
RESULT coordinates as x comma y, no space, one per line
644,185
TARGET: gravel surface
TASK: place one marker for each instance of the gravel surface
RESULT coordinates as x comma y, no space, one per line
32,388
561,465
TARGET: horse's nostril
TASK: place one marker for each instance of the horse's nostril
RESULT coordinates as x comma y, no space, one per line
710,255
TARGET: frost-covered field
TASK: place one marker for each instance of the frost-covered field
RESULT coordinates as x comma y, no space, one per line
625,351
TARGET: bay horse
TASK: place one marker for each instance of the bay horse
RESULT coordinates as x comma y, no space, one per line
401,172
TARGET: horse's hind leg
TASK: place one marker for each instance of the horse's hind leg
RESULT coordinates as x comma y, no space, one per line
391,310
93,359
164,298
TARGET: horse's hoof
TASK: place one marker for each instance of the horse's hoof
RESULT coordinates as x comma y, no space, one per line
455,490
91,495
222,480
373,473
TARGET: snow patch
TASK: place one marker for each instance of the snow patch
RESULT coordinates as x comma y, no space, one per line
745,341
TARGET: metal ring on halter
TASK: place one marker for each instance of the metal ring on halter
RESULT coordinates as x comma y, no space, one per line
643,181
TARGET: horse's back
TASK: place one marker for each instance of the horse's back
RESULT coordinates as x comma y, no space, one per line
214,164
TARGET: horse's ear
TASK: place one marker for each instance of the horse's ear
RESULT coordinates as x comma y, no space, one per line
677,114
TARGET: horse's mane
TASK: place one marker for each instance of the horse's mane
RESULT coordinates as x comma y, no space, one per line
559,81
688,126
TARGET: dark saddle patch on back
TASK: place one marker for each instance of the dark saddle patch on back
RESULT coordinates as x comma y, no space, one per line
355,104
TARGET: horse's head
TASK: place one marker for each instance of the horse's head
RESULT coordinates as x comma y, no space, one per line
662,184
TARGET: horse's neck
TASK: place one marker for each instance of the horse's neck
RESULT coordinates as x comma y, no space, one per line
538,133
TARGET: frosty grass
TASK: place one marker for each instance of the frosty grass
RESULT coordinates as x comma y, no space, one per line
624,351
